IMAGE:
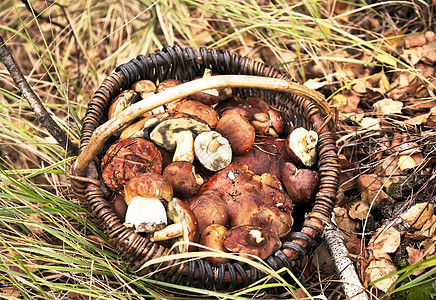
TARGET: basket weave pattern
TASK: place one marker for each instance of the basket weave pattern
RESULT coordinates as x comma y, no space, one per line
185,65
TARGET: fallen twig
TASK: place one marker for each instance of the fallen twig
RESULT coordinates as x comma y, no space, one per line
35,103
344,266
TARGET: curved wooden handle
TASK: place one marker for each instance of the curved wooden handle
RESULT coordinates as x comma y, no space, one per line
104,131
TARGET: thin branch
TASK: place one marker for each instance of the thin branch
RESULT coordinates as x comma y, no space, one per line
344,266
35,103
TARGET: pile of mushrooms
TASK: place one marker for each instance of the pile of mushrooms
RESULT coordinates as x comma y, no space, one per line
211,169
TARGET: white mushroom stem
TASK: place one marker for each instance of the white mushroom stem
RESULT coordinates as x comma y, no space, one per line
169,232
216,143
184,146
345,269
146,214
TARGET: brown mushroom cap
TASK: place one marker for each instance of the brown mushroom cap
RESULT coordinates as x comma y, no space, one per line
149,185
213,237
181,175
122,101
144,87
238,131
198,109
251,202
266,156
129,158
209,208
301,146
252,240
301,184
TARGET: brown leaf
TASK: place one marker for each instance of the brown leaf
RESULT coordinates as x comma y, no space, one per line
416,40
378,269
415,256
359,210
371,188
345,103
388,106
418,214
384,241
344,221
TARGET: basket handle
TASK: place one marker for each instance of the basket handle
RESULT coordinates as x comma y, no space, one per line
104,131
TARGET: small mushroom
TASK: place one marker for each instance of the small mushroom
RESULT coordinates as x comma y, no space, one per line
301,146
238,131
146,88
121,102
177,133
128,158
211,96
143,195
301,184
212,150
252,240
185,227
213,237
209,208
183,179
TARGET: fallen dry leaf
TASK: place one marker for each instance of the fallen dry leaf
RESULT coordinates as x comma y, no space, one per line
371,188
415,256
378,269
384,241
418,214
386,59
429,227
345,223
370,123
406,162
416,40
359,210
388,106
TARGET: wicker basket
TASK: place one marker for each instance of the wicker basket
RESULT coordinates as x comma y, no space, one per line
307,109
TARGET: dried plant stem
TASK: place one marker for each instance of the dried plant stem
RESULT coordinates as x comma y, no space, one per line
103,132
345,269
35,103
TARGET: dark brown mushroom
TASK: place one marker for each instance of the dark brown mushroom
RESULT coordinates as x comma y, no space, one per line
128,158
118,205
209,208
183,179
198,109
240,133
266,156
252,240
301,184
